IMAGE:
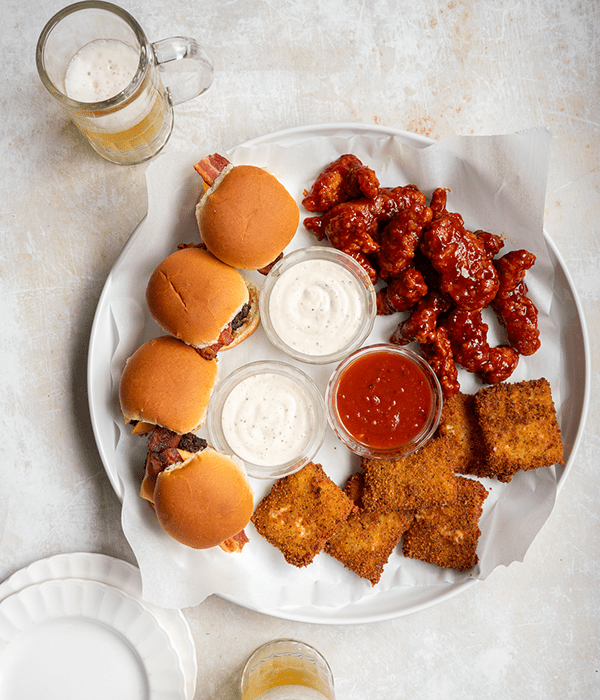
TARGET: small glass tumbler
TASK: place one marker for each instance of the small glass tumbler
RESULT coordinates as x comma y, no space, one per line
286,669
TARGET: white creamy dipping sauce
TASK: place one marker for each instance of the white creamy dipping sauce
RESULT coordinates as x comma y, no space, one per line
316,307
267,419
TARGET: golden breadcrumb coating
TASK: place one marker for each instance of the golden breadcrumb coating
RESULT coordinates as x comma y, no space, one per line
422,479
518,427
301,512
448,535
459,425
365,541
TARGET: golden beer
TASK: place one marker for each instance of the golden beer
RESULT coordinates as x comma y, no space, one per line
287,670
143,123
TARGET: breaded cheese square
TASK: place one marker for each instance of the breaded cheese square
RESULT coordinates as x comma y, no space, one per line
422,479
518,427
460,426
301,512
365,541
447,536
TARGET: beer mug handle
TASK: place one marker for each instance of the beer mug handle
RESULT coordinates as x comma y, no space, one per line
185,67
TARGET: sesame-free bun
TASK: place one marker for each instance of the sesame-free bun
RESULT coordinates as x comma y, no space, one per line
194,296
247,217
204,500
166,382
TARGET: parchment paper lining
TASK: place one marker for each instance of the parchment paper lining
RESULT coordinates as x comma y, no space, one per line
498,184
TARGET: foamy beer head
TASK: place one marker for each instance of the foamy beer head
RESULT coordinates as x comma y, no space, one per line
94,58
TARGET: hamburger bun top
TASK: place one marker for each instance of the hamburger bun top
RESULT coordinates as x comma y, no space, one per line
192,295
204,500
247,217
166,382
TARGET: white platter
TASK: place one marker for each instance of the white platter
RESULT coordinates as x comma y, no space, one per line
120,574
400,600
74,638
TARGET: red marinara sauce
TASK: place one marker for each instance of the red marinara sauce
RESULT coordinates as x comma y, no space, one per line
383,400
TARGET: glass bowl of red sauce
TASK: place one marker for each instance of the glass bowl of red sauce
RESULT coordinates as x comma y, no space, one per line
384,401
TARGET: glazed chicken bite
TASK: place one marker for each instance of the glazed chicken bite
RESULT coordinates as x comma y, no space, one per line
402,293
400,238
468,275
422,322
468,337
513,308
345,179
438,352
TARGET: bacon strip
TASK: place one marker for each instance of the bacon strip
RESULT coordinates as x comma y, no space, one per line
163,452
211,167
235,544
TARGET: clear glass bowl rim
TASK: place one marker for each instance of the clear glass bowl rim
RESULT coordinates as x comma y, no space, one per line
223,389
319,253
348,439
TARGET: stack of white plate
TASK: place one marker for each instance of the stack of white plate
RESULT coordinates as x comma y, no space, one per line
74,626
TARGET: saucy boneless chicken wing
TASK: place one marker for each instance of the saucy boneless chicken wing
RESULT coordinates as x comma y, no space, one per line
468,336
350,227
434,269
402,293
468,275
513,308
422,322
400,238
438,352
345,179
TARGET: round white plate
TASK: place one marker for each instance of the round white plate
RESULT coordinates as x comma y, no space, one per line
120,574
75,638
400,600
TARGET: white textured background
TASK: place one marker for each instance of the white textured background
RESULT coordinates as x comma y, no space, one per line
435,67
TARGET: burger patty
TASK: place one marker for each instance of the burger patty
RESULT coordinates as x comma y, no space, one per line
241,317
226,336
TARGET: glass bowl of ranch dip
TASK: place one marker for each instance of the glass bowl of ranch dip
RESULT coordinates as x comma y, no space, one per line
269,414
318,305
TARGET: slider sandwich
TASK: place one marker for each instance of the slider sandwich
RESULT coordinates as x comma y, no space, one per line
202,301
167,383
245,217
205,501
201,497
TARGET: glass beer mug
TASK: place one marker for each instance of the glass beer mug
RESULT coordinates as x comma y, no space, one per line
95,59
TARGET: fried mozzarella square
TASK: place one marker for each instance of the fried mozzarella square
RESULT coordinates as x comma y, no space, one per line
364,542
447,535
518,427
301,512
460,426
419,480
